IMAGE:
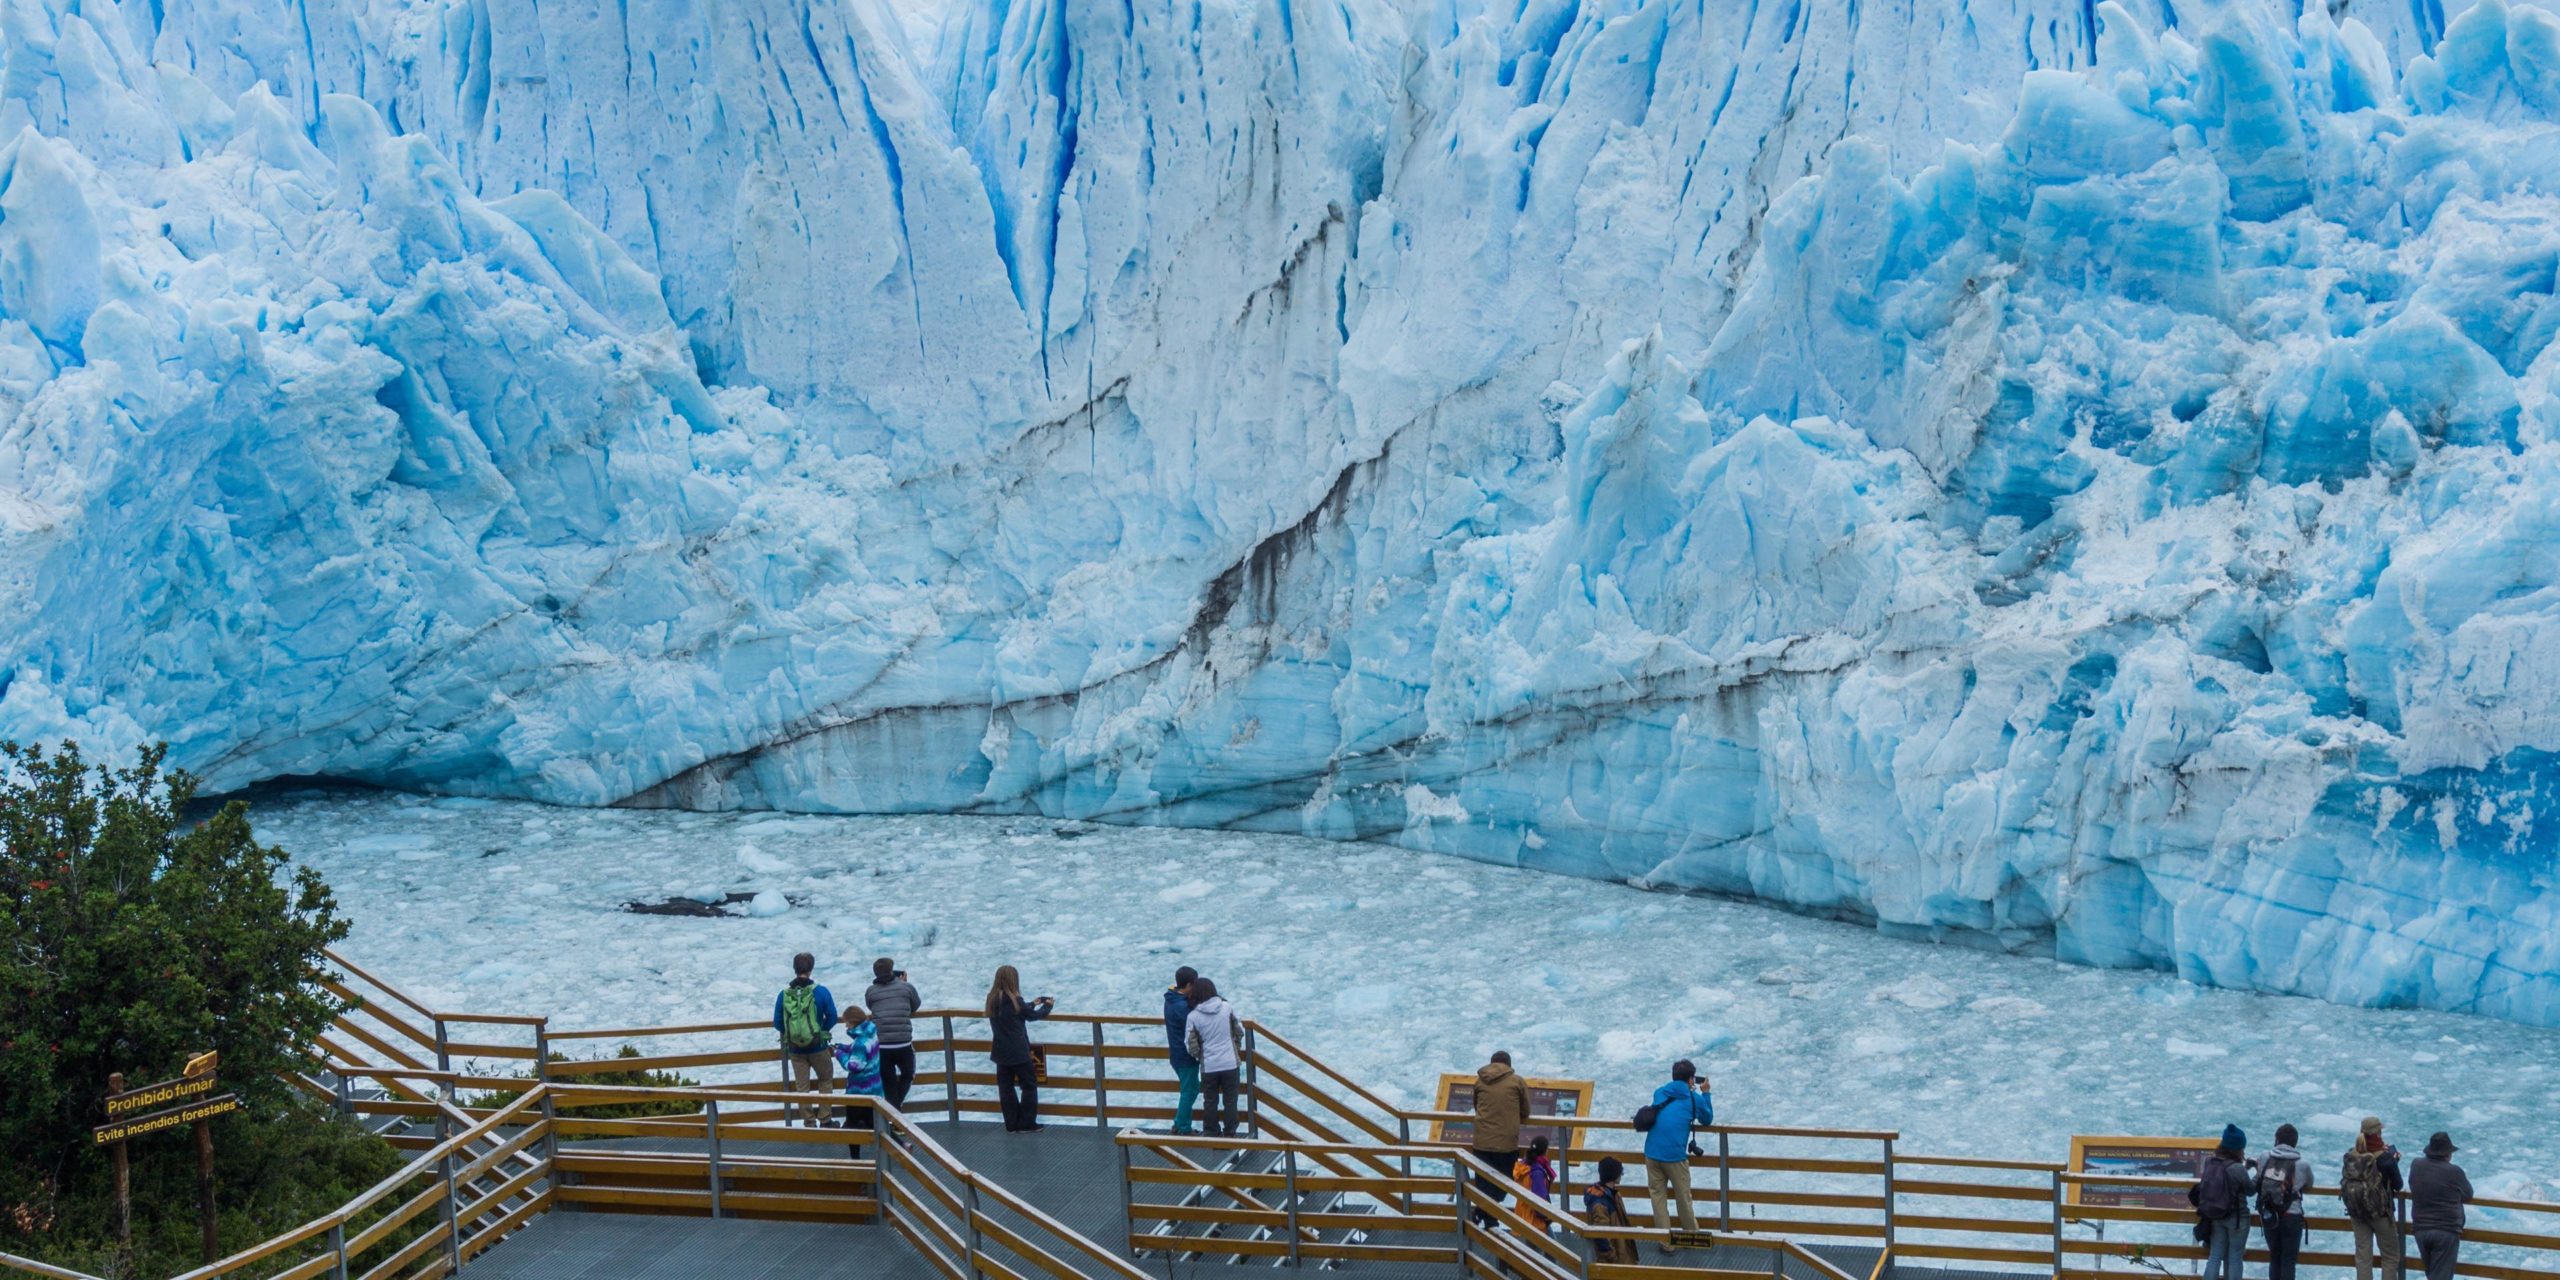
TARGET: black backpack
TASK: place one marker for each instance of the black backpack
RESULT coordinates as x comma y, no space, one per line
1646,1115
2215,1196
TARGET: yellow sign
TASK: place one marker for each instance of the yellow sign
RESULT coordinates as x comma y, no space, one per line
203,1064
1559,1099
1692,1240
2138,1158
109,1134
158,1095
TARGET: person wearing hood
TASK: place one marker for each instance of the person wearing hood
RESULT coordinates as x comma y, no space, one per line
1177,1048
2369,1183
1502,1107
1685,1104
2438,1188
2221,1198
2283,1179
1214,1036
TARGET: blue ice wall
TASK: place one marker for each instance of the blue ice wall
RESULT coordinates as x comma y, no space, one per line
2080,478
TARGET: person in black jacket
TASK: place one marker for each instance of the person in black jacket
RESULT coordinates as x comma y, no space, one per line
2438,1188
1186,1069
1017,1082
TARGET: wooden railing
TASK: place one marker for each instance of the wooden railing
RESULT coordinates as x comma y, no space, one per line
1357,1176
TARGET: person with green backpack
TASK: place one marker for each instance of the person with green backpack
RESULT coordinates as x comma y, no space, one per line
803,1014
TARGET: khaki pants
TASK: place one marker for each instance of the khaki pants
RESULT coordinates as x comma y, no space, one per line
2387,1236
1667,1182
806,1067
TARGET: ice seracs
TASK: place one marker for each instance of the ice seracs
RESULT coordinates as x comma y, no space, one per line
2098,503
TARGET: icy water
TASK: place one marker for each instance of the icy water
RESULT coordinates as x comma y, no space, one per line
1396,966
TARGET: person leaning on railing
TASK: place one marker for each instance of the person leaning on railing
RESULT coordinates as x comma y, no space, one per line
803,1014
2369,1183
1008,1021
893,1002
2438,1188
1685,1104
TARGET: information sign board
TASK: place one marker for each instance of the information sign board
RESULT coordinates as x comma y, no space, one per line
2138,1158
191,1113
1566,1099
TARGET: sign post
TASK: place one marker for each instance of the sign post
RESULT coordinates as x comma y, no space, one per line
124,1171
126,1121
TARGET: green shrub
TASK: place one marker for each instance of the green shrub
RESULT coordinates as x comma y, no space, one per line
130,940
616,1111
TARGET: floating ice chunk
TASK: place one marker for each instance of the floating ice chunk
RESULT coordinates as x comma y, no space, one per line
2195,1049
768,904
1187,891
761,863
407,845
1919,991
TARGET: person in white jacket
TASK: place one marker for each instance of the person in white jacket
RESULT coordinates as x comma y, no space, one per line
1215,1035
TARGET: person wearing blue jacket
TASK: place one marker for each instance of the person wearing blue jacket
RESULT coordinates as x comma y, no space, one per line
1686,1103
1177,1012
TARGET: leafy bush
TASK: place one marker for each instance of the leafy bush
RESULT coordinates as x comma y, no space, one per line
131,940
617,1111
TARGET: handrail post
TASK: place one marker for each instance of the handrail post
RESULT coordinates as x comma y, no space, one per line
1289,1162
1252,1083
346,1094
2057,1224
969,1183
338,1246
1888,1195
711,1135
880,1161
1458,1205
444,1056
1128,1202
542,1075
1404,1139
1724,1182
951,1089
452,1218
1101,1088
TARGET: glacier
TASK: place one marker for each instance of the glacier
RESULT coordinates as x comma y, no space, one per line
2069,477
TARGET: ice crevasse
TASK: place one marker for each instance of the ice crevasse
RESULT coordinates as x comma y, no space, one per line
2076,477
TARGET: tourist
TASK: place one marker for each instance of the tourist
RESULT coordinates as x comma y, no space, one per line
1214,1037
2369,1183
1684,1104
859,1055
2438,1188
1538,1173
1502,1108
2283,1179
1017,1080
1602,1204
894,1003
803,1014
2221,1198
1186,1069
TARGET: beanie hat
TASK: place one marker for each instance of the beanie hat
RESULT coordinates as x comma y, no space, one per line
2233,1140
2373,1126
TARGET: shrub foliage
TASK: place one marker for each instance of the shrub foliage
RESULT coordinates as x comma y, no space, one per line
130,939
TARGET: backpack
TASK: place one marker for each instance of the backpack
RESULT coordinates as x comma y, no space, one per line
2368,1197
2277,1196
1646,1115
2216,1198
800,1027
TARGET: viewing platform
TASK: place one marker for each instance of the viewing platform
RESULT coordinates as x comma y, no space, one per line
524,1171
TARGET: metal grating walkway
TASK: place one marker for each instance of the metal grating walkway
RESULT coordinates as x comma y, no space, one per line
1070,1172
